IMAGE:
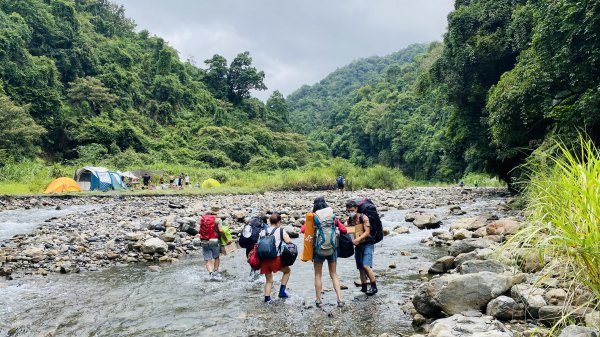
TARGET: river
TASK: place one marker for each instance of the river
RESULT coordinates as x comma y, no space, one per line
180,300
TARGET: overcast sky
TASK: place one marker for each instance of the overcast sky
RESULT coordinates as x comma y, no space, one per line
294,42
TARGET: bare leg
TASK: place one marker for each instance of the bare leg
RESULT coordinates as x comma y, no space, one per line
363,276
369,272
287,271
318,279
209,265
217,263
268,283
334,279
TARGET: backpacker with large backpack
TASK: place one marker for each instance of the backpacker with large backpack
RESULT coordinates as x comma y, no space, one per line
251,231
266,248
368,208
325,232
209,235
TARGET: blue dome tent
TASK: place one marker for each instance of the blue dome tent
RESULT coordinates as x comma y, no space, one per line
98,178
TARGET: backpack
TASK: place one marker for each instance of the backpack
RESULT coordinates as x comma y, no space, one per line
251,232
325,234
207,226
266,248
368,208
345,247
288,251
340,180
253,259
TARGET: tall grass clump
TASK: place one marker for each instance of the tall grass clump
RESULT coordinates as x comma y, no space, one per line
563,214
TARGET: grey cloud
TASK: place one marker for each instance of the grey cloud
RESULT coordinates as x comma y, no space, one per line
294,42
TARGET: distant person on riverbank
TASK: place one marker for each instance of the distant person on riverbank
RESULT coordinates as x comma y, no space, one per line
461,184
210,231
325,249
273,265
340,183
364,247
146,180
187,180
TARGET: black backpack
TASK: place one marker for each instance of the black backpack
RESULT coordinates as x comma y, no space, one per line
250,232
368,208
340,180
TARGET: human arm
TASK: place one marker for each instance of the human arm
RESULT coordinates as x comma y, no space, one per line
341,226
366,233
286,237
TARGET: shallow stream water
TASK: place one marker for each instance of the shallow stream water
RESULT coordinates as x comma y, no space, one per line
180,300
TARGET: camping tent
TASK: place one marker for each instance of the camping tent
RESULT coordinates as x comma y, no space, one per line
63,184
98,178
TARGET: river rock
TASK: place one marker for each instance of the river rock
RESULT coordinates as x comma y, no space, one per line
464,257
34,252
503,227
442,265
453,294
578,331
134,236
531,296
428,221
505,308
551,314
169,234
240,215
292,231
462,326
476,266
467,245
158,224
469,223
154,245
402,230
555,296
592,319
462,234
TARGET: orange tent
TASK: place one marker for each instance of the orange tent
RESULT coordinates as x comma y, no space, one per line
63,184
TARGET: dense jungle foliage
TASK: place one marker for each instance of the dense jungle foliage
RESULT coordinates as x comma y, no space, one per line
78,84
509,76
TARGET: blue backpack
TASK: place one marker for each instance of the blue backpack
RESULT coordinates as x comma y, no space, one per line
266,248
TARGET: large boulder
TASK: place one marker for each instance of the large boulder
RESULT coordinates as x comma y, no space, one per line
530,296
471,224
154,245
423,221
462,326
453,294
476,266
442,265
578,331
505,308
467,245
503,227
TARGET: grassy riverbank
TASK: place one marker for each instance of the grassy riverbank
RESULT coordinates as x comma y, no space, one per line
31,177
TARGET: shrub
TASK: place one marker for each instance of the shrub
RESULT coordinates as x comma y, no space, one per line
563,205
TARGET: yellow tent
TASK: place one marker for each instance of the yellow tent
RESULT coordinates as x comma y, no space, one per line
210,183
63,184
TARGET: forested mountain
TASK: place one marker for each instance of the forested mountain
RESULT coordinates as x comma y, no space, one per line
316,102
78,83
509,76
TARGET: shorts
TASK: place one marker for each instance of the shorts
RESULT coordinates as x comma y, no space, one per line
211,253
270,265
330,258
340,186
363,254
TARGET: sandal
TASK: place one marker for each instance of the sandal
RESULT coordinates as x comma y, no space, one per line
341,304
319,304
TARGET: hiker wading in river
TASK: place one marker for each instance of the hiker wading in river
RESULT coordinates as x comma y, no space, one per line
364,247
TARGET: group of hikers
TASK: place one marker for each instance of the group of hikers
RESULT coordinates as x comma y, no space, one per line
164,182
269,249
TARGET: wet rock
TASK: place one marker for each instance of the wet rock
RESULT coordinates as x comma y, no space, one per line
429,221
503,227
578,331
419,320
155,269
442,265
530,296
462,326
505,308
154,245
462,234
470,224
467,245
402,230
476,266
453,294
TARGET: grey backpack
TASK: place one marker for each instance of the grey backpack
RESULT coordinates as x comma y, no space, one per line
325,234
